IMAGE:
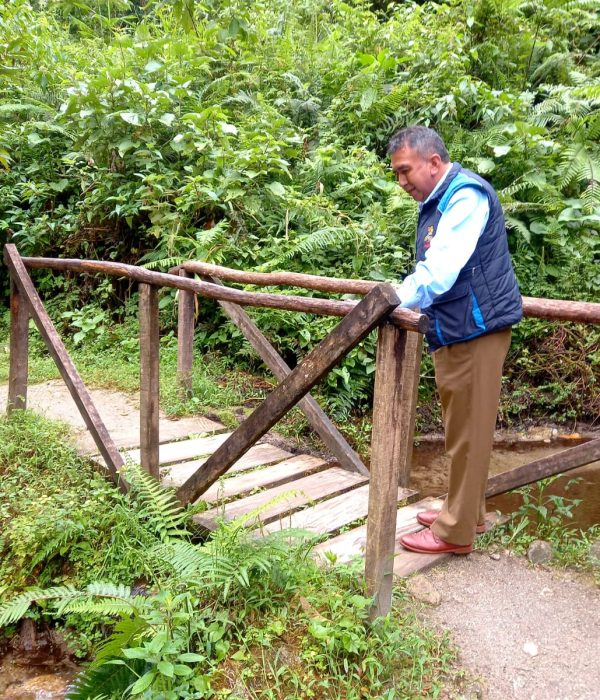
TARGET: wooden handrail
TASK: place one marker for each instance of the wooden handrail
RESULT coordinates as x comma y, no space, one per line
534,307
403,318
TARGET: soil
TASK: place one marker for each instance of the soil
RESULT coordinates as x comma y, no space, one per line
521,631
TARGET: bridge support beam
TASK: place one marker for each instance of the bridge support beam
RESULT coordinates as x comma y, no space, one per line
149,379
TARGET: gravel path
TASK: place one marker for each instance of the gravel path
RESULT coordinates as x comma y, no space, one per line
524,631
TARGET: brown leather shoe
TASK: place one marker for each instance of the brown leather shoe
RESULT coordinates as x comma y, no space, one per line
427,542
427,518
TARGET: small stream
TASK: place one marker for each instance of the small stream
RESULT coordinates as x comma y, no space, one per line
21,681
430,470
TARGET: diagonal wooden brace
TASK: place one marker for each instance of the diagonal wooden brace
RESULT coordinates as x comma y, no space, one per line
315,415
365,316
65,365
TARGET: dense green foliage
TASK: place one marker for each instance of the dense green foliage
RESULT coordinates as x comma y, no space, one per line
165,616
253,135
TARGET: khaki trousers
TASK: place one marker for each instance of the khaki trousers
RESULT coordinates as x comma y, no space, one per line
468,377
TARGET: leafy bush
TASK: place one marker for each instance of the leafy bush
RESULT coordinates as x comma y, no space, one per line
254,136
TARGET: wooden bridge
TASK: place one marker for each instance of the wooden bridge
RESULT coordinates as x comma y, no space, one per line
236,472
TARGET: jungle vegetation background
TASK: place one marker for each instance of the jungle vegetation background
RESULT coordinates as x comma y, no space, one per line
253,135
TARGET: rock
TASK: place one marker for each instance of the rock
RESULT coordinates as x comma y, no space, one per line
495,556
421,589
530,648
475,691
594,554
539,552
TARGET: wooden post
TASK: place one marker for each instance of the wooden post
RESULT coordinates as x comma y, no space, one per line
409,391
367,315
393,421
19,350
185,339
65,365
149,383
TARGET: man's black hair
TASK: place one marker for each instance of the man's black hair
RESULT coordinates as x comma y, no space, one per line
421,139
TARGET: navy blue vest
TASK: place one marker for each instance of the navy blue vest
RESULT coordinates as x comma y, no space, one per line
485,297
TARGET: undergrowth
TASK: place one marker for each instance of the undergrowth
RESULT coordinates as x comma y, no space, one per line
547,517
163,614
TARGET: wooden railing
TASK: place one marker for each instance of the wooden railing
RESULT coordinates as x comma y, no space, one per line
396,378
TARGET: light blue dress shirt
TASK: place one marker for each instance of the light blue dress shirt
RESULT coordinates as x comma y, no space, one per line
455,239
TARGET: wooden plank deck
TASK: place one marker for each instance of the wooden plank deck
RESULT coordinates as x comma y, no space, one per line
276,490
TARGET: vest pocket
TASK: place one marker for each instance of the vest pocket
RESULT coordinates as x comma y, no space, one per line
455,316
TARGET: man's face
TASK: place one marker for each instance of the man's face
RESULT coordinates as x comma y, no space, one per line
416,174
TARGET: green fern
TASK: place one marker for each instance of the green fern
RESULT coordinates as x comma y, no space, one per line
106,681
157,505
16,609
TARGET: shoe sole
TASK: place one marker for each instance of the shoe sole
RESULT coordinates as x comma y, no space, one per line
458,550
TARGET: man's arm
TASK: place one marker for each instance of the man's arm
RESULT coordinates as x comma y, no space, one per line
457,234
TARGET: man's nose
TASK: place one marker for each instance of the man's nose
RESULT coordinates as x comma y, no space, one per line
402,181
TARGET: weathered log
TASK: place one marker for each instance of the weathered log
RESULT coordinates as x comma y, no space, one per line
65,365
403,318
561,310
315,415
376,306
149,379
553,309
558,463
185,339
19,350
394,408
271,279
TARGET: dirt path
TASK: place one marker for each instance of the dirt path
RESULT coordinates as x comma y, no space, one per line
120,413
524,632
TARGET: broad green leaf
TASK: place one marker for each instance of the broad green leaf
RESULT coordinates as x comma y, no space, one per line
367,98
228,128
166,668
276,188
501,150
152,66
181,670
143,682
131,118
190,657
167,119
35,139
125,145
135,653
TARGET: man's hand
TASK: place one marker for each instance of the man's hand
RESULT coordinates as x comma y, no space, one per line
398,290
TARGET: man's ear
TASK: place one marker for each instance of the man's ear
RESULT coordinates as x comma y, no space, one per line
436,163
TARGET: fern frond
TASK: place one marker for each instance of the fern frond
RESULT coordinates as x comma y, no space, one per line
317,241
109,680
518,225
9,109
14,610
163,263
69,532
158,505
125,630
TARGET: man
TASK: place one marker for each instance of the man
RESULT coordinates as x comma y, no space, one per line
465,283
